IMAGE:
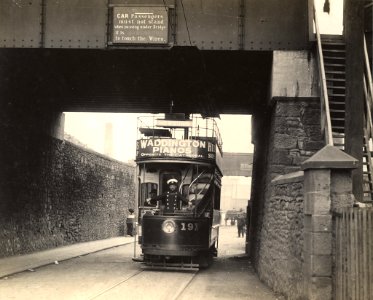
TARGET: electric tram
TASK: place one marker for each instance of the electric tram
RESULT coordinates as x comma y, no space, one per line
179,225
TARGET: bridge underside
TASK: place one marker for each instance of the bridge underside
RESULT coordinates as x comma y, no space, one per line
208,82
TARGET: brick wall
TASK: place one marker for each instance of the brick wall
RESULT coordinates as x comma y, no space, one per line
54,193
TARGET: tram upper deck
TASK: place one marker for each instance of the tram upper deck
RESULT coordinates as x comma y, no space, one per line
176,138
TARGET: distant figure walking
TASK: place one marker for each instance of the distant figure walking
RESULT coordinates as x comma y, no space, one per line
241,222
129,222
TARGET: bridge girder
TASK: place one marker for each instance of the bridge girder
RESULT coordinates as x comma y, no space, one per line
205,24
207,82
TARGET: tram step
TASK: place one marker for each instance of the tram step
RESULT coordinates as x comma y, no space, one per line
170,266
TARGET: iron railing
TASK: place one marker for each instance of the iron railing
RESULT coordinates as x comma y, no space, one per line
326,123
367,78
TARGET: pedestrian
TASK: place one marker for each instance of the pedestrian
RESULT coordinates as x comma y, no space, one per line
152,194
241,222
130,221
171,199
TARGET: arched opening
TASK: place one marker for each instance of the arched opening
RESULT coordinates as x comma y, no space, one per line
90,131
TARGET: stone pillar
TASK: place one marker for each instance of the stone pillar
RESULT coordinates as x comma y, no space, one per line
327,184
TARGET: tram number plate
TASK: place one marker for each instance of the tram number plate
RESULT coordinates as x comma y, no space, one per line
189,226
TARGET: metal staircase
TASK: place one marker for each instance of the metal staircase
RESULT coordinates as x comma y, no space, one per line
331,53
334,54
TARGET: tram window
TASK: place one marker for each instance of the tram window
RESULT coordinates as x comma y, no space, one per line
145,190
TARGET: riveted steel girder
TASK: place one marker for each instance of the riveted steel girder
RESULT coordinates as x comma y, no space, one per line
206,24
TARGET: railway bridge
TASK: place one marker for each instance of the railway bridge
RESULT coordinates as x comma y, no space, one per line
310,96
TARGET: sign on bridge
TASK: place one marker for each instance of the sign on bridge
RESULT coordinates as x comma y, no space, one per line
140,25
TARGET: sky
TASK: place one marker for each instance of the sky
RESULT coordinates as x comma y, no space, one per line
89,128
330,23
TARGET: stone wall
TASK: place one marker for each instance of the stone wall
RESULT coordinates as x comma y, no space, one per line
281,257
293,135
55,193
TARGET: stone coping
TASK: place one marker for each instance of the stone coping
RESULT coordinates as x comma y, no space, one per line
289,178
330,157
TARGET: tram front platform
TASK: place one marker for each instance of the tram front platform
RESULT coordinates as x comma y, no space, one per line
16,264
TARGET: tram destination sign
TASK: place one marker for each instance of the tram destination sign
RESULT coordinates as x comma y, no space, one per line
173,148
140,25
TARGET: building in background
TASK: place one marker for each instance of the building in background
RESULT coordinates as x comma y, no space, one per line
235,192
236,183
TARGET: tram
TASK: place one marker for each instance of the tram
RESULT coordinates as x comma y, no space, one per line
179,175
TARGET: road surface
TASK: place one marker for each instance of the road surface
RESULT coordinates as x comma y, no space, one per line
111,274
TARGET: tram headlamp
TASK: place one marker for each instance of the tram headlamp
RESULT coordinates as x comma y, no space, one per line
168,226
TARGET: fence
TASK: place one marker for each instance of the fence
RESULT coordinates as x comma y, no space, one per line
354,254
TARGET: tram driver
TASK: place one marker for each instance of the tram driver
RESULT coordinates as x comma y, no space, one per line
171,199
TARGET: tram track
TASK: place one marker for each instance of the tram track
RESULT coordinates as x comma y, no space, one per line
182,289
147,277
116,285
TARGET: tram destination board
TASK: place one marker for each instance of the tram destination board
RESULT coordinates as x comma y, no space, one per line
173,148
140,25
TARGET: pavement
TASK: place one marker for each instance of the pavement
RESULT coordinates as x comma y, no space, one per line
15,264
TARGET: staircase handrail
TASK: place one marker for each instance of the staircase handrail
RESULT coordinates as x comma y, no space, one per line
368,91
367,112
324,90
